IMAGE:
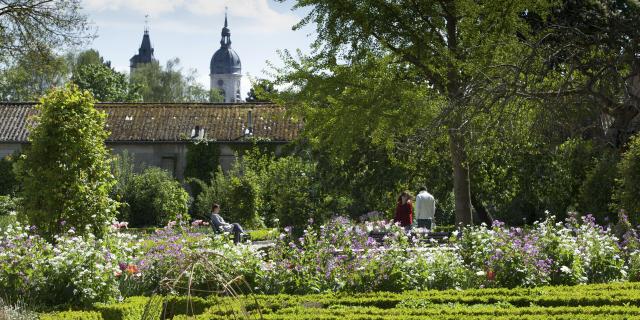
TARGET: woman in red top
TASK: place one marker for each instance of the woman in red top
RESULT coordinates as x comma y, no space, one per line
404,210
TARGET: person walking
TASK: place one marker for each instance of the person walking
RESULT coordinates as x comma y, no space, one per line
219,225
425,209
404,210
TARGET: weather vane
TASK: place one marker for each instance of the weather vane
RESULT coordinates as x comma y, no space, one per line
146,22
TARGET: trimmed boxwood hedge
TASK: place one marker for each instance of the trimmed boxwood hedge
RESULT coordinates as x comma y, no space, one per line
610,301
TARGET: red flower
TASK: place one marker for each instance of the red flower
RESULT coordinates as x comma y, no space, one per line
491,275
132,268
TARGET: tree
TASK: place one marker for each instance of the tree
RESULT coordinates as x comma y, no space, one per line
32,75
31,25
169,84
260,89
65,172
627,194
106,84
462,52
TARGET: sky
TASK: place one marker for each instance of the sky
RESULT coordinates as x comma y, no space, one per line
190,30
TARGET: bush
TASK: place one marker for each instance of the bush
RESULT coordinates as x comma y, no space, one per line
8,205
597,189
627,194
65,172
155,198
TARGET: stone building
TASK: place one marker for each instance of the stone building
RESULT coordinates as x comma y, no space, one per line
159,134
226,68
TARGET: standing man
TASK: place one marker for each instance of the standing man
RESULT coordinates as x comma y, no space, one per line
425,209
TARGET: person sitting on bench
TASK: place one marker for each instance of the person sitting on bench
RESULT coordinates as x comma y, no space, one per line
219,225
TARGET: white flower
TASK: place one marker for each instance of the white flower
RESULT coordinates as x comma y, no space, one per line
481,273
565,269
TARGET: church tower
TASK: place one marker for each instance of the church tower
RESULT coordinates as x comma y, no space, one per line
226,68
145,53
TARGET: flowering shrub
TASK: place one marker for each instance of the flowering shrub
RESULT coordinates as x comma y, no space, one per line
578,252
338,256
76,270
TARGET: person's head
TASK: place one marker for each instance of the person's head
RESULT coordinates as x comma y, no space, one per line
405,196
215,208
423,188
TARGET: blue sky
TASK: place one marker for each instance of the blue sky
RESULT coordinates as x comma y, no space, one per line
190,30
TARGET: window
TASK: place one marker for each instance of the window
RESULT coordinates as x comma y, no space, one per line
220,83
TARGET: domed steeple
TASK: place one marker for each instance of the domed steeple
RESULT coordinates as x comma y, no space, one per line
226,68
225,60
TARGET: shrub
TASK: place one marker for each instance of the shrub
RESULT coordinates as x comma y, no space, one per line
155,198
597,189
76,270
627,194
8,204
65,172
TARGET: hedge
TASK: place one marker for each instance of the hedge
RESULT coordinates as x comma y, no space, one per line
611,301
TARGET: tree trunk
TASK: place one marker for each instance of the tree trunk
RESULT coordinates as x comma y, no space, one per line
461,185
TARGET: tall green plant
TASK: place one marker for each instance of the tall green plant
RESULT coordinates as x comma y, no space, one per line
65,173
627,194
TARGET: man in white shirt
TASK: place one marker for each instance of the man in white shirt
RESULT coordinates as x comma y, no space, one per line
425,208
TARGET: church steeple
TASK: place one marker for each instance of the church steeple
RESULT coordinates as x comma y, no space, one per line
145,52
226,68
225,42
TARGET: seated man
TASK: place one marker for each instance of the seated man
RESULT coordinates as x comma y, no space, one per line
219,225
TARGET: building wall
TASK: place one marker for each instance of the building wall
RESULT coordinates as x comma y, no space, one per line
229,83
9,148
169,156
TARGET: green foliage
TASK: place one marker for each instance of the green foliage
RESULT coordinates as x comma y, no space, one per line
243,200
65,173
132,308
627,194
106,84
613,301
263,189
169,84
260,90
203,158
72,315
123,170
30,76
8,204
8,180
154,199
596,192
31,25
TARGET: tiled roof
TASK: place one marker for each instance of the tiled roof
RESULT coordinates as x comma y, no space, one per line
169,122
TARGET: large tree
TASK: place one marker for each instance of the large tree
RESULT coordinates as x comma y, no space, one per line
106,84
30,25
32,74
170,84
466,55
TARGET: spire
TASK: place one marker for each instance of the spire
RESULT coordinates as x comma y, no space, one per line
226,9
225,42
146,24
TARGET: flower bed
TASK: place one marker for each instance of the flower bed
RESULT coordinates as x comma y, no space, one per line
336,257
